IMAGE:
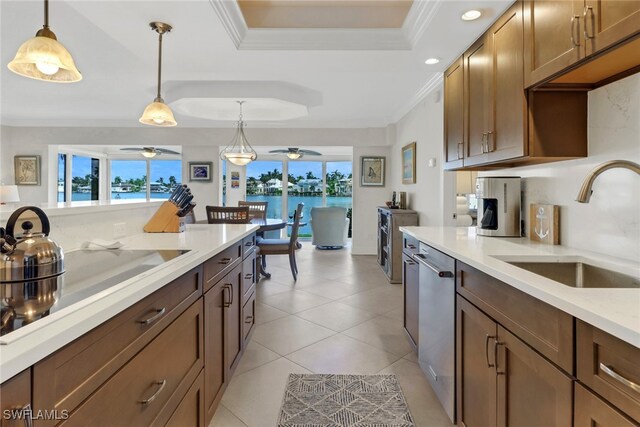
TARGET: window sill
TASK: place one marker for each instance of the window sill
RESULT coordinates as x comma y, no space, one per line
78,208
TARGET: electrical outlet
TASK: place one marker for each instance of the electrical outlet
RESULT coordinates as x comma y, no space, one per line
119,229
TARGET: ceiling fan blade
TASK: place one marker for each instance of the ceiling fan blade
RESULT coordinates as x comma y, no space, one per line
279,151
132,149
310,152
166,151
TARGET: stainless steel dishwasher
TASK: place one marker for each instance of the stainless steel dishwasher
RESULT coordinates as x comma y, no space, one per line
437,334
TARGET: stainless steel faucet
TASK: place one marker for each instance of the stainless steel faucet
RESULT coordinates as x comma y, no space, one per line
585,192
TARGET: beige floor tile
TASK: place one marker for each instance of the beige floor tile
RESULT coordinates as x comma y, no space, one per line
295,301
380,300
225,418
255,397
332,289
397,314
383,333
342,355
423,402
289,334
255,355
267,288
266,313
336,316
412,356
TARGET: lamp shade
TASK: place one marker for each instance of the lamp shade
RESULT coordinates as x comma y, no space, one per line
294,155
158,114
9,194
44,58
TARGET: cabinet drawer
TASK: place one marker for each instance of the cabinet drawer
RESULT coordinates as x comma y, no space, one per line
67,377
190,411
15,398
248,317
410,245
610,367
592,411
248,243
545,328
248,276
218,266
143,391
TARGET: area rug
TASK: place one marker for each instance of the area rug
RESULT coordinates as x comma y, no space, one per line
327,400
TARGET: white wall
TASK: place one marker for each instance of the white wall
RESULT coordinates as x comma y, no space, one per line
610,223
434,189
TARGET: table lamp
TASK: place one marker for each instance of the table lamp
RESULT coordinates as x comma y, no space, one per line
9,194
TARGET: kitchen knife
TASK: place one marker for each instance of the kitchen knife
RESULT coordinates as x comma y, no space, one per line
180,190
180,202
185,211
186,201
173,196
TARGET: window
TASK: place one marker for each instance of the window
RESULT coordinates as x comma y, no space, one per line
85,175
165,177
339,184
62,177
307,188
264,184
128,179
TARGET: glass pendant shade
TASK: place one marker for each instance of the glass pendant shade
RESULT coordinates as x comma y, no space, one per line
239,151
294,156
158,114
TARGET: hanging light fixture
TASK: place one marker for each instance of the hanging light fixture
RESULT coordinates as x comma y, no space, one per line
294,155
44,58
239,151
158,113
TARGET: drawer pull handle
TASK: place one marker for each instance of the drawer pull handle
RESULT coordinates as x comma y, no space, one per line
486,350
226,303
249,244
25,413
616,376
224,261
159,313
249,319
440,273
575,19
248,276
162,384
497,343
410,246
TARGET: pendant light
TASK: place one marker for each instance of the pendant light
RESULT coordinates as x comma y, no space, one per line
44,58
239,151
158,113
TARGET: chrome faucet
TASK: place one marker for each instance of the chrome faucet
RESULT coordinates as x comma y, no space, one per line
585,192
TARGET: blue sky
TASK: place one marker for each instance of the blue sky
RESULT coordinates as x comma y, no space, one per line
297,168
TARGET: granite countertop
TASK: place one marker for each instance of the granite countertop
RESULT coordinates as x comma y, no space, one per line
26,346
616,311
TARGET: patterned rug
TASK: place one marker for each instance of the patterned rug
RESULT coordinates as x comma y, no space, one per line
325,400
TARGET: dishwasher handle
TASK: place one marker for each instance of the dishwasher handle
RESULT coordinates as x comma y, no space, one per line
424,261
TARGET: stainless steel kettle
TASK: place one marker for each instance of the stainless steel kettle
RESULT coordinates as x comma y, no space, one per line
30,266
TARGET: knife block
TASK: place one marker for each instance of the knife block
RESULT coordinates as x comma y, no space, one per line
165,220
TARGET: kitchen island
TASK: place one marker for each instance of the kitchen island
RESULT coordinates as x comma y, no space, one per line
140,322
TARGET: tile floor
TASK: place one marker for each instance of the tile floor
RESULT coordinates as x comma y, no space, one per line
341,316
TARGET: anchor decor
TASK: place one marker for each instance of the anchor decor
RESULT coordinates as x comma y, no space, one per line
543,220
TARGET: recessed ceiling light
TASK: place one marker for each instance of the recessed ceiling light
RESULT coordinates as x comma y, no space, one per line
432,61
470,15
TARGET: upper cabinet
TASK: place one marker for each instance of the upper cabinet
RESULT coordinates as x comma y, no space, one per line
503,97
559,34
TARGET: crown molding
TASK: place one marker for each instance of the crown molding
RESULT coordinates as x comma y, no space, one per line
431,84
418,19
232,20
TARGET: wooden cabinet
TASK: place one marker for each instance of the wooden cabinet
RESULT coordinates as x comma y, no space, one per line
15,401
511,385
190,411
558,34
411,287
454,115
592,411
216,374
390,240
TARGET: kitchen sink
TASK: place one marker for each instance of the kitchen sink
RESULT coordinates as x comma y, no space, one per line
576,273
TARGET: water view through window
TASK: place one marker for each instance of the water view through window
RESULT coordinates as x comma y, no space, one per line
129,178
306,185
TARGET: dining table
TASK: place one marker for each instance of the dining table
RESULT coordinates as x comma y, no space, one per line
268,224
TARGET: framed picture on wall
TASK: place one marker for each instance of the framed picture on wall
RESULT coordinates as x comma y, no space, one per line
409,163
235,179
27,170
372,171
200,171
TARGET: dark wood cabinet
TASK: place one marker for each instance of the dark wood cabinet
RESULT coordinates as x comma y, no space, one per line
454,115
411,287
216,374
190,411
591,411
390,240
502,381
15,401
606,22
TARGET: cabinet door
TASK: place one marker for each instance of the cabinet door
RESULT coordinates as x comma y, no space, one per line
609,21
233,331
15,397
507,137
591,411
476,376
190,411
410,285
553,37
478,100
531,391
454,115
215,372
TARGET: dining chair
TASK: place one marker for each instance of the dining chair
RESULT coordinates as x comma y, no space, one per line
283,246
227,215
256,209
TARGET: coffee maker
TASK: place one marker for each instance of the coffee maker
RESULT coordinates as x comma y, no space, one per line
498,206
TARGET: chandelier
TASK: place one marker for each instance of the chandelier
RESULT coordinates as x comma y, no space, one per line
239,151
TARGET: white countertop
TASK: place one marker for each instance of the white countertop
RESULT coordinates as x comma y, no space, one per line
80,207
616,311
32,343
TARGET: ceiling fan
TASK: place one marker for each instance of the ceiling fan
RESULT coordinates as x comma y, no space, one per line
296,153
150,151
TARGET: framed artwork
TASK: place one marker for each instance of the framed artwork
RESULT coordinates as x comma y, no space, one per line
200,171
409,163
235,179
27,170
372,171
